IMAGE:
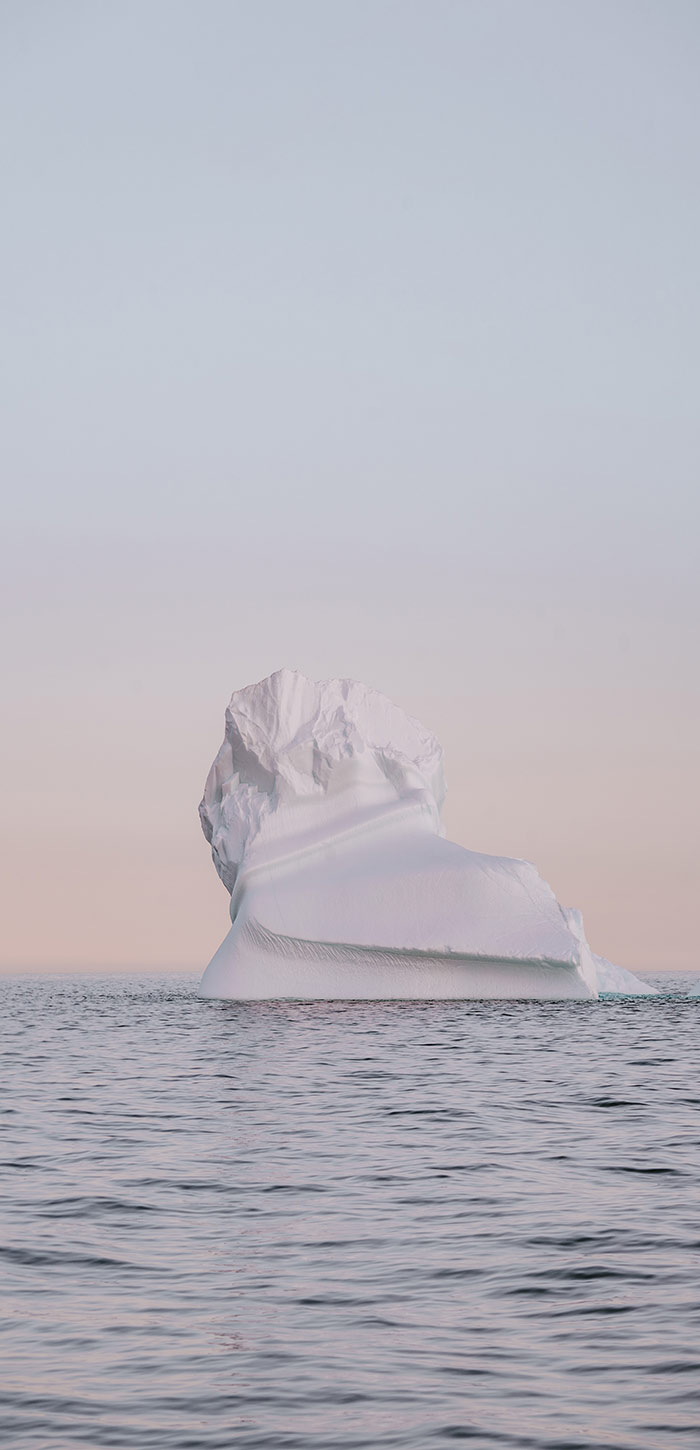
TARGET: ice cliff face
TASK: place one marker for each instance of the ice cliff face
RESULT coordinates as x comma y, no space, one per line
322,809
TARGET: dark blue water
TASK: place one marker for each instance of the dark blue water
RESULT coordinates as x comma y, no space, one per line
372,1225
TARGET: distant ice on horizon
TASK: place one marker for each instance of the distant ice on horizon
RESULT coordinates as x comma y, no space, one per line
322,809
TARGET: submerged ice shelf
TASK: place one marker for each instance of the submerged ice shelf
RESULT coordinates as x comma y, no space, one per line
322,809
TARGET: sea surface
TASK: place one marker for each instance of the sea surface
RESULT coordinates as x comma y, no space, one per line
310,1226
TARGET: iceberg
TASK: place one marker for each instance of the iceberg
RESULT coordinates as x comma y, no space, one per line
322,809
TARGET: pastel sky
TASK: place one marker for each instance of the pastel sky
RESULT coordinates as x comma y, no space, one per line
363,338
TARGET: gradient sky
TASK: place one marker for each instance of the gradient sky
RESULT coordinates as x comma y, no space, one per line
363,338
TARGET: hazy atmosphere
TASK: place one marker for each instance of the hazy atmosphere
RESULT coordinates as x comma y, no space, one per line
361,339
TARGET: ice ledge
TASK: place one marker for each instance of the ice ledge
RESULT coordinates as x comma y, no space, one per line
265,966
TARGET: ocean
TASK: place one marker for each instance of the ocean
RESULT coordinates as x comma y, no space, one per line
375,1226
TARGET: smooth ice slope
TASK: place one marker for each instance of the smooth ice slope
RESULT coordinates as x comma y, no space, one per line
323,813
618,982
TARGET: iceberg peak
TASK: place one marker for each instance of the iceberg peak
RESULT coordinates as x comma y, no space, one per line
303,758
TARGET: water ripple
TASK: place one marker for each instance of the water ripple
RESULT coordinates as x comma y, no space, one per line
375,1226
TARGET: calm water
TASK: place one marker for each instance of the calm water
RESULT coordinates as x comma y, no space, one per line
371,1225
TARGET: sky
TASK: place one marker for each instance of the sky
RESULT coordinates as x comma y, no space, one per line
362,338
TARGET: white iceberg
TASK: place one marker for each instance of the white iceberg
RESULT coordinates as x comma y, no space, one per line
322,809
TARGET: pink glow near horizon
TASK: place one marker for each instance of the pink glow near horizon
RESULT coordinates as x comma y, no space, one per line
576,764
